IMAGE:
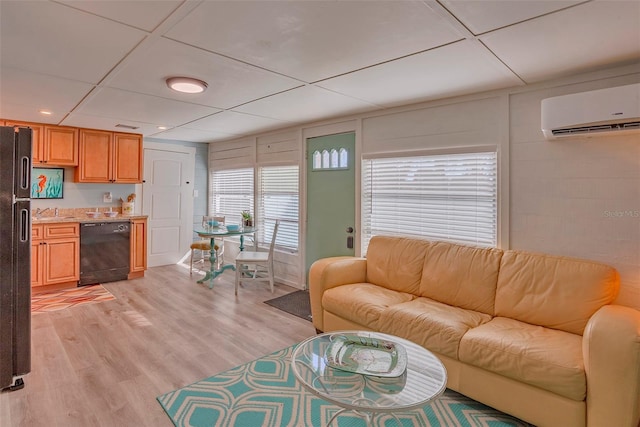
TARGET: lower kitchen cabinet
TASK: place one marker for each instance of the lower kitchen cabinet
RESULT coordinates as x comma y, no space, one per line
37,255
55,254
138,254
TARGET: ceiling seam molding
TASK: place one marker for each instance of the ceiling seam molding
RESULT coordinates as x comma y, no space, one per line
445,13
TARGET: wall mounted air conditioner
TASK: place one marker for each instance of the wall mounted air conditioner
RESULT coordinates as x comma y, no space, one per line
597,112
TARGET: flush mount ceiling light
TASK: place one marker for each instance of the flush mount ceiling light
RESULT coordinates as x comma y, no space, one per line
46,112
186,84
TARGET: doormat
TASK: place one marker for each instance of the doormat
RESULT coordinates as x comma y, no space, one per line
296,303
265,393
58,300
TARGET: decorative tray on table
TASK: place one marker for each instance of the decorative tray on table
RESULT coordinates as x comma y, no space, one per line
365,355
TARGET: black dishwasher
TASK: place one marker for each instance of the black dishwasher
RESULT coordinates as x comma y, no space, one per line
104,252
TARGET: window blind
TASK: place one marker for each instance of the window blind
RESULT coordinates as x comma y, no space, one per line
451,197
278,198
231,193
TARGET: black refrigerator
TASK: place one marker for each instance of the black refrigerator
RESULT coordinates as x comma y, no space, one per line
15,256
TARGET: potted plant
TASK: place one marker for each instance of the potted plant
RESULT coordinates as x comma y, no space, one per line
247,219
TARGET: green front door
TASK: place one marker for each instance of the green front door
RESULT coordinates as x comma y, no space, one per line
330,197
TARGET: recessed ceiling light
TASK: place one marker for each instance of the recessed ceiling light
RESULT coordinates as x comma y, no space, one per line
162,127
46,112
186,84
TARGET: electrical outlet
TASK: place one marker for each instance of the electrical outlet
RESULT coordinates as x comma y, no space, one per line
107,197
195,193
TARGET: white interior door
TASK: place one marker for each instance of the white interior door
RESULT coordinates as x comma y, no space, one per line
167,199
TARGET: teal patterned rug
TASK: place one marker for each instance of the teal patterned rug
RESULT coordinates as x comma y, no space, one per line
265,393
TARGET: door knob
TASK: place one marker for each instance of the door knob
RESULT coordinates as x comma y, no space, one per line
349,229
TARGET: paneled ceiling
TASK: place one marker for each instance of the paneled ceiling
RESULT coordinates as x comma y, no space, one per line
271,64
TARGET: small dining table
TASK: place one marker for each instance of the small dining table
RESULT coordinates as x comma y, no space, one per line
219,232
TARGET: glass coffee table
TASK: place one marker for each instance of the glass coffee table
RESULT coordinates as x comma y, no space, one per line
371,381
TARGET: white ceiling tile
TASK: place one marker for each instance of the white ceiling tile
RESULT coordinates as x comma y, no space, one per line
457,69
305,104
106,123
358,55
54,39
120,104
232,122
146,15
486,15
582,38
313,40
191,135
36,92
230,82
26,113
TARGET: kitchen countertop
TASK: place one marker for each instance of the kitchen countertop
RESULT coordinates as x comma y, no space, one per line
48,215
79,215
85,219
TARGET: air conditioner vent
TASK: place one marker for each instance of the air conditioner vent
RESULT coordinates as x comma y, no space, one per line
120,125
596,129
631,125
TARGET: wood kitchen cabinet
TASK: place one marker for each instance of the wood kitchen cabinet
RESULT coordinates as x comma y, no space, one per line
110,157
55,254
37,141
59,147
36,255
138,251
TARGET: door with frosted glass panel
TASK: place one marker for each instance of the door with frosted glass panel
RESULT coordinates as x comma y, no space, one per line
330,197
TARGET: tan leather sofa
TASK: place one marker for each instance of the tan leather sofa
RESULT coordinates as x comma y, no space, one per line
532,335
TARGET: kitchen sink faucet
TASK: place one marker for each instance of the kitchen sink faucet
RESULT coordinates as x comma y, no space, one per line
39,212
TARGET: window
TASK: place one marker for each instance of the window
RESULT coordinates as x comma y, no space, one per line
232,193
344,158
331,160
450,197
278,198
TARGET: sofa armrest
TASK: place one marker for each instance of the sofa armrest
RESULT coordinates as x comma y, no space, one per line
328,273
611,351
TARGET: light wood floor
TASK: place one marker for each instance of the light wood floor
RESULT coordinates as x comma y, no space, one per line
104,364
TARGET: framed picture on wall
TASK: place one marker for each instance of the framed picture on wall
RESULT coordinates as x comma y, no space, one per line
47,183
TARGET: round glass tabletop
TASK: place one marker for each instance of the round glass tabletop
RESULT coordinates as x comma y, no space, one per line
351,386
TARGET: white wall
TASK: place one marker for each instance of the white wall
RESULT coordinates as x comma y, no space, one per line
578,197
568,197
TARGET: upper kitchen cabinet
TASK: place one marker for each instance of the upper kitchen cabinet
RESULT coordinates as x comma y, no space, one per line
128,157
59,147
109,157
37,142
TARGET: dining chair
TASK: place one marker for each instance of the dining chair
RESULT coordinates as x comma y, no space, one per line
261,263
204,245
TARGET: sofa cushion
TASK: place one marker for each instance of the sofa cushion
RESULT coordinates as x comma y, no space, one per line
543,357
437,327
462,276
556,292
396,263
361,302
